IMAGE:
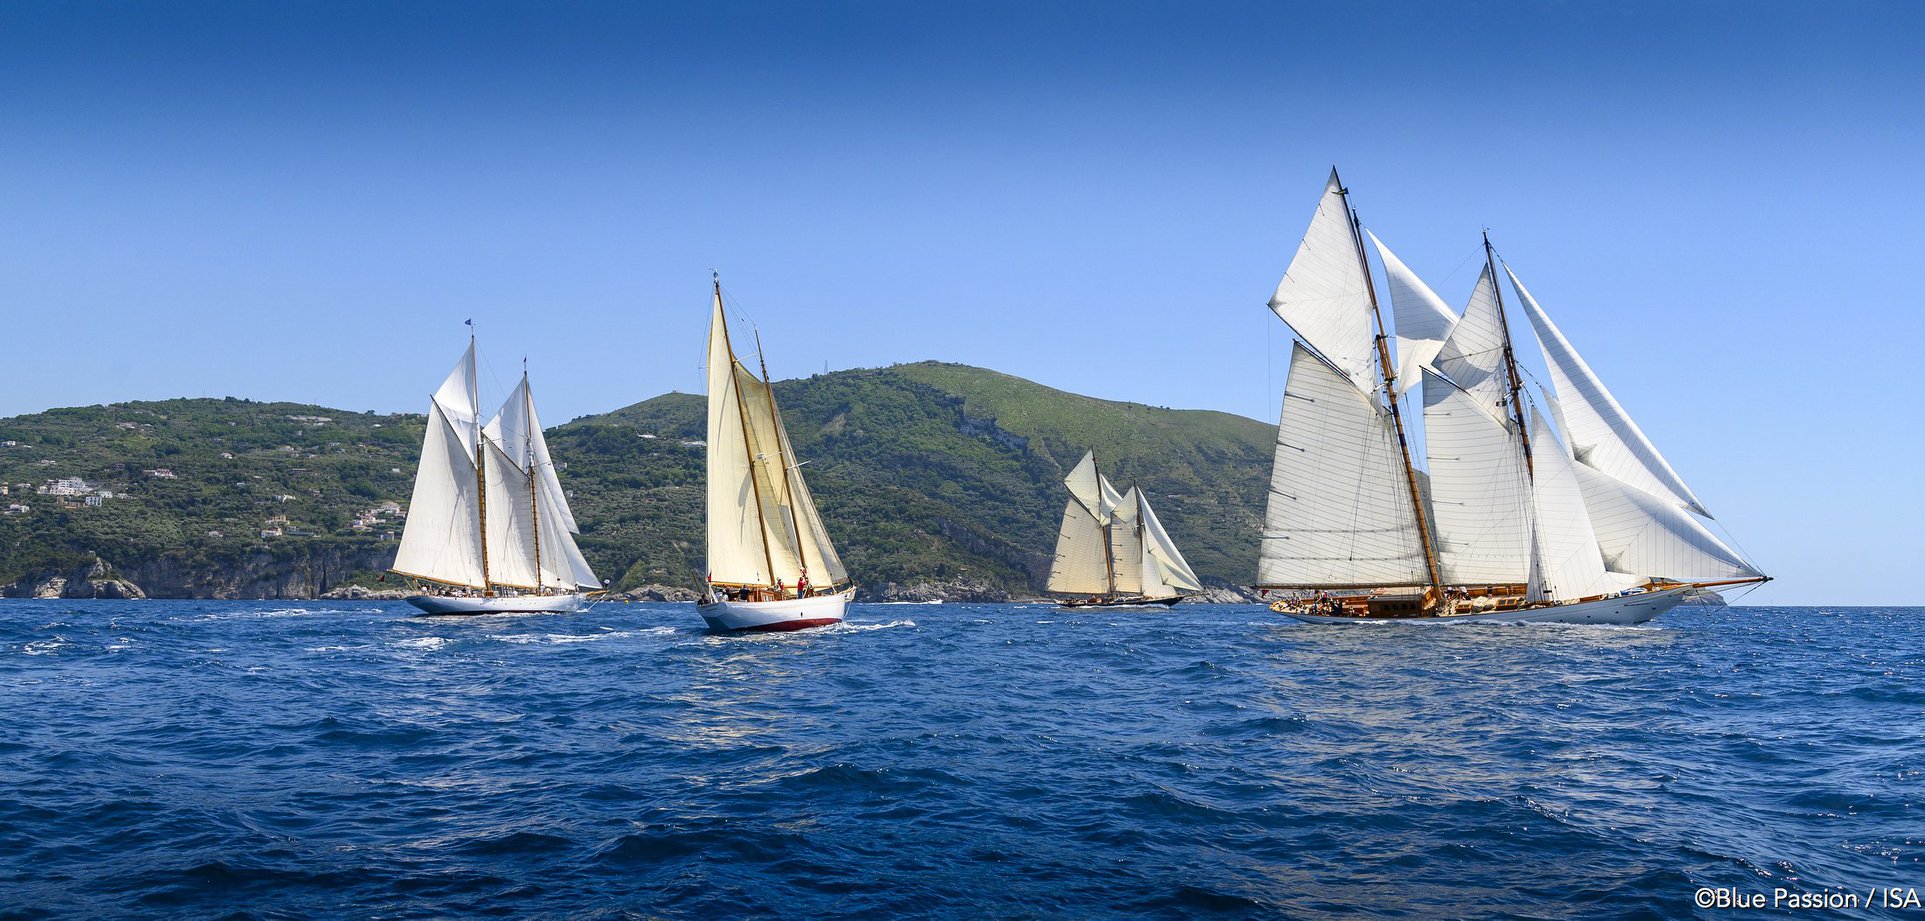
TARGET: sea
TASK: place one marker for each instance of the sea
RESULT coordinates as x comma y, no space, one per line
191,759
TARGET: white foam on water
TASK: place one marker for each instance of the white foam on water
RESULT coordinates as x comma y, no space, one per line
424,642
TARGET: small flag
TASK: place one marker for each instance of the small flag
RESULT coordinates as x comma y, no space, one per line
468,322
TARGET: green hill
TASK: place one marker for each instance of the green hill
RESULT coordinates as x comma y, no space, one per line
924,472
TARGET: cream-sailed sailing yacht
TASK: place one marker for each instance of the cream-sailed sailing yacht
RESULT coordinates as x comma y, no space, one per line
771,565
1111,550
1513,523
489,529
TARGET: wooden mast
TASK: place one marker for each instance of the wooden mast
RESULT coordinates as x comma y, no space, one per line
528,443
781,457
481,460
1109,553
742,415
1389,376
1510,360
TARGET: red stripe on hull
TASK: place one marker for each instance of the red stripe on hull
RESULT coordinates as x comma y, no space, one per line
786,625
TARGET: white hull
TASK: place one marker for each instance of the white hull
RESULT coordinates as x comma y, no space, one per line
1623,611
499,604
787,614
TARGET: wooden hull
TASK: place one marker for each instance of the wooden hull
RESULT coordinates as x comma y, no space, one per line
781,614
500,604
1620,610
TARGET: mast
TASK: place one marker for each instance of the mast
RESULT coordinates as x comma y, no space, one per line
742,416
1510,359
481,477
795,525
1109,552
528,445
1389,376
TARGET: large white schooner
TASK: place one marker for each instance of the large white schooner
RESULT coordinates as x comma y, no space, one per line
771,564
489,530
1111,550
1516,521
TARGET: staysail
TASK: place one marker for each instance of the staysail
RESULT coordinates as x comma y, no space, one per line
1602,434
1420,317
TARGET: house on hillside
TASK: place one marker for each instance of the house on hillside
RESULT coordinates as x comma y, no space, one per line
15,508
161,473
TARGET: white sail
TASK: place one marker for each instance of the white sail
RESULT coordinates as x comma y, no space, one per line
516,432
1653,537
1126,547
1421,318
1472,356
1339,509
1572,566
1164,565
511,520
763,528
1081,566
441,541
1325,294
456,397
1479,488
517,428
1602,435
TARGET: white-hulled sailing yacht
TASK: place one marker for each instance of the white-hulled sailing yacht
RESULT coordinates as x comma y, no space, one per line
489,530
1513,523
1111,551
771,564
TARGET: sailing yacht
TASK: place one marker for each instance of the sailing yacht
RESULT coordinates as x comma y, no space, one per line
771,564
1517,520
489,530
1111,551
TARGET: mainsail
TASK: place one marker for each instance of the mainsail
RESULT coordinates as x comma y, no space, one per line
763,528
543,549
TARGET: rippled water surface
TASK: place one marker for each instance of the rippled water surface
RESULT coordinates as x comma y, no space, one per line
349,760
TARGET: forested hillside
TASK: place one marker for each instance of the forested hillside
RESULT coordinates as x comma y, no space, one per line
924,473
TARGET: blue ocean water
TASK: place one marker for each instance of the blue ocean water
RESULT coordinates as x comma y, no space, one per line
347,760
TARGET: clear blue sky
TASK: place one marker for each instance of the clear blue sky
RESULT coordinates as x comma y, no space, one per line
1720,202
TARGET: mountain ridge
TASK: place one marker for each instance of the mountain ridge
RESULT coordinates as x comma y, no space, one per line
926,473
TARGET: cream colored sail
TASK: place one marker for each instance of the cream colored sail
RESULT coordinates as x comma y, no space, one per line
441,541
1325,294
1602,435
1080,566
1339,511
1091,488
1166,572
1421,318
763,527
1479,488
1126,547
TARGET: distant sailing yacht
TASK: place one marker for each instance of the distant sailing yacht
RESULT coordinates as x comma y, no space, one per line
1512,523
771,565
489,526
1111,551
